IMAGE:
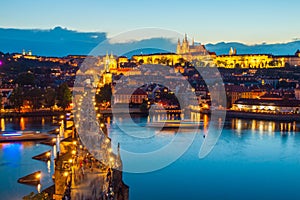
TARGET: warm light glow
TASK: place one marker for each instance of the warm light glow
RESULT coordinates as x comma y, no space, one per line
48,166
39,188
38,175
2,124
48,154
271,108
205,106
66,174
22,124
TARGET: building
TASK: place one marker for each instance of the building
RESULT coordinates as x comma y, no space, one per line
186,48
5,92
247,61
122,60
110,62
272,106
124,96
290,60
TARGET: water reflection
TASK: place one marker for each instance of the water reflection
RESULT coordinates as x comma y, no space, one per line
39,188
26,123
16,146
22,124
2,124
49,166
263,127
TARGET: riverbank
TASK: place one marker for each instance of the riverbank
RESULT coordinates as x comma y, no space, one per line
263,116
37,113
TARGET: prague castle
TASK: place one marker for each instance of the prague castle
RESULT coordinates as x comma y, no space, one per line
186,48
199,54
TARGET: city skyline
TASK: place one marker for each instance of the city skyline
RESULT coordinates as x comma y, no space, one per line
252,22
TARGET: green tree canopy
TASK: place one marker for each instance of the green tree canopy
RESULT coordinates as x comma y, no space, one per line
64,96
17,98
105,94
49,97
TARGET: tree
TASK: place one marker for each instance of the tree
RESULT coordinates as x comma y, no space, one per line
105,94
181,61
17,98
144,107
35,96
64,96
49,97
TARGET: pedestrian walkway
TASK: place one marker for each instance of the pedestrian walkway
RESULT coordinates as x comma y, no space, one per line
89,178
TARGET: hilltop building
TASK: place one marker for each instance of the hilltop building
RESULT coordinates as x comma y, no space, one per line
186,48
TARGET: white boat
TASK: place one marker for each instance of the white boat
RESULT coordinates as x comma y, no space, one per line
175,124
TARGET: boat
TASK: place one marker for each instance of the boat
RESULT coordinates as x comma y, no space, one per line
11,136
175,124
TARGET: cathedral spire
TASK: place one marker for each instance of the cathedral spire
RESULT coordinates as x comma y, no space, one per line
106,62
193,43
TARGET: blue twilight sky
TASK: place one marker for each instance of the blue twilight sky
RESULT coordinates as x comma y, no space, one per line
209,21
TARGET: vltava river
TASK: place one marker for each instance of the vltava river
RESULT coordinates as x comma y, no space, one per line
252,160
16,158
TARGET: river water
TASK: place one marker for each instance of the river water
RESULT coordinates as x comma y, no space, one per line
252,160
16,158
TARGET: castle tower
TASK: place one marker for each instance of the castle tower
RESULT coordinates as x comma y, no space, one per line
106,63
178,50
231,51
185,45
234,51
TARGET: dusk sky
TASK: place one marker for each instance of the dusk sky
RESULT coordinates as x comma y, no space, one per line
250,22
